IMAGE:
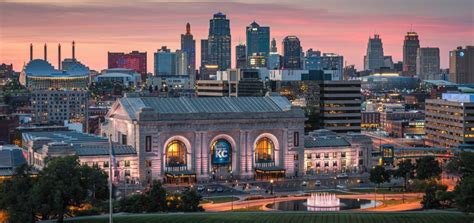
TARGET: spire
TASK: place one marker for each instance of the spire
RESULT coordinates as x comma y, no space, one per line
31,51
59,56
45,52
188,28
73,50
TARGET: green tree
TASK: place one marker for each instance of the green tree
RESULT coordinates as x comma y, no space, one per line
190,201
427,167
157,197
379,175
432,198
464,191
96,181
405,170
15,196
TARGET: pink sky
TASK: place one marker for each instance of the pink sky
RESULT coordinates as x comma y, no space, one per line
336,26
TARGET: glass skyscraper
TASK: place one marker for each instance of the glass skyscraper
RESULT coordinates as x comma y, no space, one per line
374,58
258,40
410,50
292,53
219,42
188,45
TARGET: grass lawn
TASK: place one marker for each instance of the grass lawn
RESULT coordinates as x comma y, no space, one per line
282,217
218,200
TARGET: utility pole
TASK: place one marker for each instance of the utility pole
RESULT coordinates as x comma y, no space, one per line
111,220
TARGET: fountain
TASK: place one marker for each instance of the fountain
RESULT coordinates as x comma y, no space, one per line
323,202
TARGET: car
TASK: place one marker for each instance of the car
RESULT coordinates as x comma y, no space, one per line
185,189
317,183
342,176
360,181
340,187
304,184
211,189
200,188
220,189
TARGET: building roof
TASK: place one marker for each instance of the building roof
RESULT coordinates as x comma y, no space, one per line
103,150
42,68
184,105
440,82
331,141
10,157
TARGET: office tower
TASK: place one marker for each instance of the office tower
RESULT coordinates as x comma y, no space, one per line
449,121
461,65
274,61
340,106
410,49
312,60
388,62
181,63
374,59
333,64
134,60
240,56
427,63
219,42
258,41
292,53
273,48
204,52
398,66
188,46
165,62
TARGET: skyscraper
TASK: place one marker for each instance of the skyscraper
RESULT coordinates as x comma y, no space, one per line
461,65
165,62
273,48
258,40
312,60
204,52
219,41
427,63
374,59
134,60
188,46
292,53
333,64
410,50
240,56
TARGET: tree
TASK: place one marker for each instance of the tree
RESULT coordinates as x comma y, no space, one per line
63,183
379,175
405,170
96,182
434,194
427,167
190,201
15,196
464,191
157,197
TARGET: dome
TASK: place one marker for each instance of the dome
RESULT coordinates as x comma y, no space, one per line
39,67
75,68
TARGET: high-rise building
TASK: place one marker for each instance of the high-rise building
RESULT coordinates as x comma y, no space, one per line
461,65
333,64
427,63
134,60
182,63
240,56
188,46
410,50
388,62
292,51
340,106
273,48
374,59
204,52
165,62
219,42
449,121
258,40
312,60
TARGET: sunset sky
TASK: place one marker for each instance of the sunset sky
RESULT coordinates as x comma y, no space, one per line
338,26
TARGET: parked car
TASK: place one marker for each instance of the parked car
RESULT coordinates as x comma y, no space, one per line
340,187
317,183
342,176
200,188
211,189
220,189
304,184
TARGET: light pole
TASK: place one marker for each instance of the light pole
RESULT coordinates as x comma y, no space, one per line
111,220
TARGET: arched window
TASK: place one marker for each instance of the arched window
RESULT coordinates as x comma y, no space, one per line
264,150
175,154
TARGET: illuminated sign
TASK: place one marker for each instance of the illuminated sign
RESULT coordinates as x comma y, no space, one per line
221,152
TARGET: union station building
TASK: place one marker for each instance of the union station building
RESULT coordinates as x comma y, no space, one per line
215,138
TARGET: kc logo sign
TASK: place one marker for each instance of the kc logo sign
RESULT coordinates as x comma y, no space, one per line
221,153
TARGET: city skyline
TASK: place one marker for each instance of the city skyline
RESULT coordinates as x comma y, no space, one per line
149,27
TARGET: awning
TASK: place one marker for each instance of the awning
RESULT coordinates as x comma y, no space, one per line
180,174
266,170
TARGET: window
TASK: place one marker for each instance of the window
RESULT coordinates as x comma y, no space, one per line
326,155
326,163
308,156
361,153
334,155
148,144
106,164
176,154
148,163
124,139
343,154
318,155
295,157
334,163
318,164
127,173
126,163
118,163
296,139
361,162
264,150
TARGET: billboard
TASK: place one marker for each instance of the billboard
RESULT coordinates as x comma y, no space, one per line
221,152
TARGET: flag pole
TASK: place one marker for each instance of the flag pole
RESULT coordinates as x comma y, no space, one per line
110,180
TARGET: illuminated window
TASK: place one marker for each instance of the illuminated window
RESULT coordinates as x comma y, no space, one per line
175,154
264,150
